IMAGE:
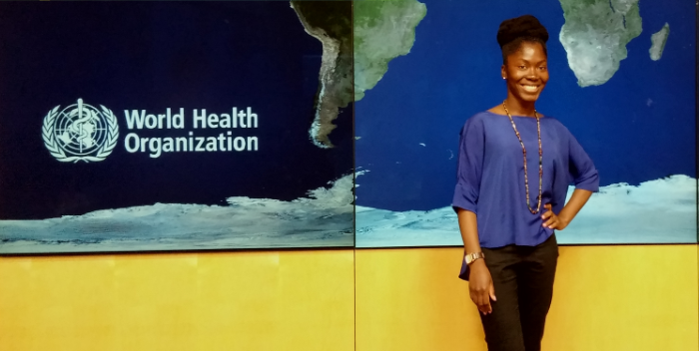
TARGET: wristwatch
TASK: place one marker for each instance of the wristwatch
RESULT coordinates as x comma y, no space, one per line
473,256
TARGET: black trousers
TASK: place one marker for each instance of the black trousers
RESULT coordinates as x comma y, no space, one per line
523,281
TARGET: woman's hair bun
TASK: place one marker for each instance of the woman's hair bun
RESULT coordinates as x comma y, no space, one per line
524,26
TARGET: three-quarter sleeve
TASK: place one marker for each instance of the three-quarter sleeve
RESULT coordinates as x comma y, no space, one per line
470,166
581,167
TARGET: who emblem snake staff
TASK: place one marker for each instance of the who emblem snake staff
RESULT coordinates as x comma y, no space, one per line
80,132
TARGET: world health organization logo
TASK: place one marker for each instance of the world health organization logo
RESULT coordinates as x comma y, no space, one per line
80,132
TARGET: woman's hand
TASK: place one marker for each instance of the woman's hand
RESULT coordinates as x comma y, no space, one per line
552,221
480,286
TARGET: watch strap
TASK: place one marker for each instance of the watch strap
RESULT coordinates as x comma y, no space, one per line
473,256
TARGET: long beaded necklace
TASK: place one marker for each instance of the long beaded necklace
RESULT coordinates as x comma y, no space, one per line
524,152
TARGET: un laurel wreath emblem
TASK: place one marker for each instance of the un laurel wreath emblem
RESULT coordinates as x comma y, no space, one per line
80,132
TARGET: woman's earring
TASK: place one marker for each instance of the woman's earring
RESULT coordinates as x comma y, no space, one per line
504,78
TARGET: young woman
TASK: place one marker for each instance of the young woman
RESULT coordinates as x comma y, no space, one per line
515,165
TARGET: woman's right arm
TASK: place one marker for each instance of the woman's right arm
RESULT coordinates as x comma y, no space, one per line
465,203
480,283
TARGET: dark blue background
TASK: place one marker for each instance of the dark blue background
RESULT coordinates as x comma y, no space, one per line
212,55
453,71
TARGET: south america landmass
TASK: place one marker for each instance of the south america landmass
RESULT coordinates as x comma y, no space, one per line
383,30
356,50
331,23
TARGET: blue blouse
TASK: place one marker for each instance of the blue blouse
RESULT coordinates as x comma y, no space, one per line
490,176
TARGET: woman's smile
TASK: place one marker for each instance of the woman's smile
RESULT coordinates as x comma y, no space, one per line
530,88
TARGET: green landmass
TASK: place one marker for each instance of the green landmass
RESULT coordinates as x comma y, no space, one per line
658,41
595,35
331,23
383,30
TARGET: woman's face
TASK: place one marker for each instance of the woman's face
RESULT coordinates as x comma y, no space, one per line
526,72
